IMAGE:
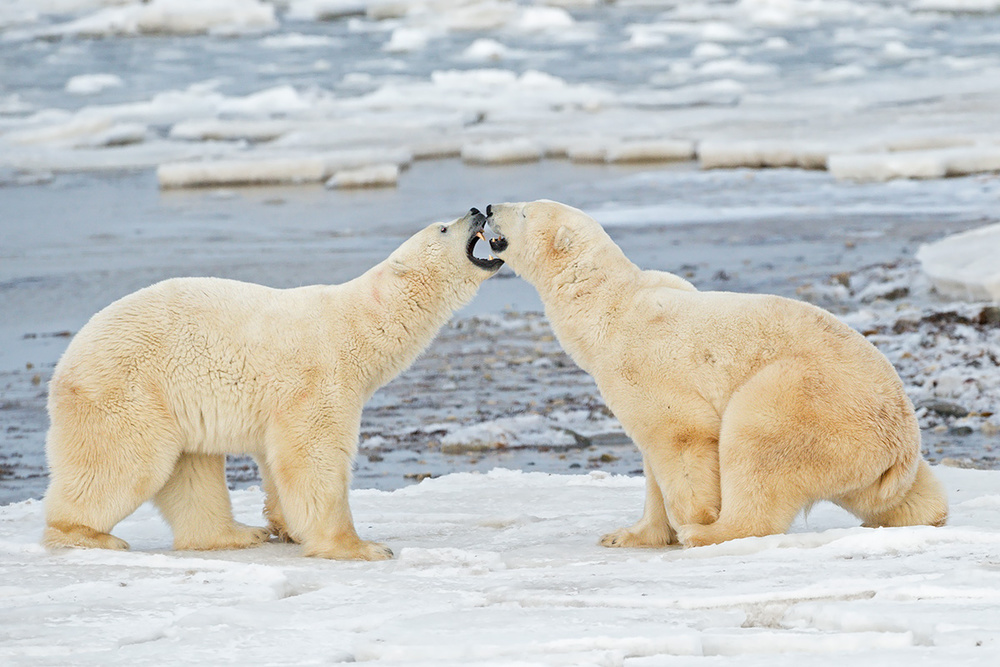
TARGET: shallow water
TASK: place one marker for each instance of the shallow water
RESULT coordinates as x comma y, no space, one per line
83,241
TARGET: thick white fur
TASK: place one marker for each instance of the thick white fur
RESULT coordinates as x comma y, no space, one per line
158,387
746,408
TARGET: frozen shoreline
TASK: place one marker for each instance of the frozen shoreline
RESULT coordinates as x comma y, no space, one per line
847,247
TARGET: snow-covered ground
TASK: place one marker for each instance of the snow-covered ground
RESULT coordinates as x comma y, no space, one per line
304,88
504,569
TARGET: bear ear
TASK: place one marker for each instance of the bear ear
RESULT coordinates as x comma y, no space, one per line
563,239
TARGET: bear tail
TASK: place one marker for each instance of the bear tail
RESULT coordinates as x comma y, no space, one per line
924,501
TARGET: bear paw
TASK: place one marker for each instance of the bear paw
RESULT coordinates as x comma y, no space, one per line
648,538
699,535
60,535
355,550
280,531
236,536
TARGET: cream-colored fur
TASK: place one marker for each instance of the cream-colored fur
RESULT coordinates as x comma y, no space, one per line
158,387
746,408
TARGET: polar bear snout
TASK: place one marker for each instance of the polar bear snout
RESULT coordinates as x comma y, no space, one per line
499,242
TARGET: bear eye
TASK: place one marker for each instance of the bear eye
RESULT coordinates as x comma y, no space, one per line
444,230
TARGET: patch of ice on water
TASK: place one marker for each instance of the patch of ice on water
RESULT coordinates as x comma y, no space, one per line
518,431
371,176
509,151
486,50
325,10
173,17
884,166
965,266
295,40
90,84
406,39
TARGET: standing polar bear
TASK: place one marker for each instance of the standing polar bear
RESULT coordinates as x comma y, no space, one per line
746,408
158,387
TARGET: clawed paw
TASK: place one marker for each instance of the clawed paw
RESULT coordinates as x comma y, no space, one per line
356,550
280,532
630,538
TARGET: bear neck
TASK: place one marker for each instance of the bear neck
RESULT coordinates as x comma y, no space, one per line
586,293
402,315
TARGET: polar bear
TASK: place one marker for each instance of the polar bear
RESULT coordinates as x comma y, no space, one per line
746,408
158,387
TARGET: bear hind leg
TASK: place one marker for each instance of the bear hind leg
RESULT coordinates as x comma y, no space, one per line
195,502
92,487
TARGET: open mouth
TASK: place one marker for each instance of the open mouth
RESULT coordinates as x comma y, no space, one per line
489,263
497,243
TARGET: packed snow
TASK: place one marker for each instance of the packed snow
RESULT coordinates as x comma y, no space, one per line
504,569
868,91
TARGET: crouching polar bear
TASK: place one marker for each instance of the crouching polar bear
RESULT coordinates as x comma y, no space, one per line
746,408
156,388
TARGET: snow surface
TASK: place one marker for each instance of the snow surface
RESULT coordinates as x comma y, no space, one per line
869,91
504,569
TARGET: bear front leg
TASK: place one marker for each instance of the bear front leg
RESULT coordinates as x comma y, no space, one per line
312,476
685,465
653,529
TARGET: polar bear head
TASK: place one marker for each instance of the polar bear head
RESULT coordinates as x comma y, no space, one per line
540,239
442,261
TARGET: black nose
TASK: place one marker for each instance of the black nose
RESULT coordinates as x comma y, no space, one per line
489,210
474,211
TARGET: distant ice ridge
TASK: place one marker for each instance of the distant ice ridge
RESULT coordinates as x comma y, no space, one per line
735,84
180,17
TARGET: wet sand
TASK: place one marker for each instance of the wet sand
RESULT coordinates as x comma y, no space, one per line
73,245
